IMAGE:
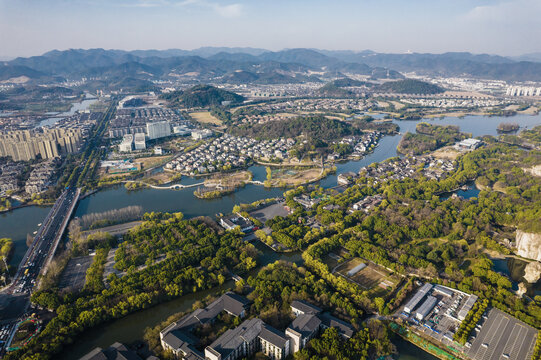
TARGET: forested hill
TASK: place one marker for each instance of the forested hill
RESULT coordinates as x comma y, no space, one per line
312,127
201,96
410,86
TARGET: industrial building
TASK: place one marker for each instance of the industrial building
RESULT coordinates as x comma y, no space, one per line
426,307
467,307
443,290
416,299
201,134
468,144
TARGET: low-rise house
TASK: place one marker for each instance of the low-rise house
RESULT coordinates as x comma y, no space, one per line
237,221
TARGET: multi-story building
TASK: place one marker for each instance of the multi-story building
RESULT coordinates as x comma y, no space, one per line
251,336
46,143
160,129
127,143
309,321
139,141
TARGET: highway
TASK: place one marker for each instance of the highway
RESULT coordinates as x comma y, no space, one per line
40,253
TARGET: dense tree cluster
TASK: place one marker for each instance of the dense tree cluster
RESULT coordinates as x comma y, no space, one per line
370,342
204,260
468,324
107,218
201,96
430,137
276,285
311,127
6,248
410,86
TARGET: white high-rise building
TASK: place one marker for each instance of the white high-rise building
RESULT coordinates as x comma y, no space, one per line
139,141
156,130
127,143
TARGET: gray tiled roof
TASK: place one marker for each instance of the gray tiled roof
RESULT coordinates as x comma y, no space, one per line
232,339
306,324
343,327
305,307
117,351
275,337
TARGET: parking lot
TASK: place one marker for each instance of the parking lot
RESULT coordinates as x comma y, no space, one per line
502,337
270,212
74,274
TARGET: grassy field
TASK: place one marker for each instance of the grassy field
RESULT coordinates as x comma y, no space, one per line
204,117
294,177
371,277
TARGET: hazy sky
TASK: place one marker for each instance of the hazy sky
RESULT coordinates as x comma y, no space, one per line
506,27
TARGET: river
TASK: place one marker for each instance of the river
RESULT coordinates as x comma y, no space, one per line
16,224
78,106
131,328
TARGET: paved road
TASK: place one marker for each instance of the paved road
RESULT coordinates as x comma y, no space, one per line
38,256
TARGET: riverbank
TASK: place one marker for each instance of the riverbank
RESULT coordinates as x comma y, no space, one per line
421,343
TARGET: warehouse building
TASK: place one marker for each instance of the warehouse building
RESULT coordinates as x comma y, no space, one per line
426,307
417,298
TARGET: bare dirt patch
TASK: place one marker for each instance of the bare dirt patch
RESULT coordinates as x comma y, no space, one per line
204,117
447,152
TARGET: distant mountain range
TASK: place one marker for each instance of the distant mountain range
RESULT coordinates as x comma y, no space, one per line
249,65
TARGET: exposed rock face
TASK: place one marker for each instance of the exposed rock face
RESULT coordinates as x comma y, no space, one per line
532,272
521,289
535,170
529,245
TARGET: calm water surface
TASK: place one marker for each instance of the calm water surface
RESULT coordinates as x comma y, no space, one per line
18,223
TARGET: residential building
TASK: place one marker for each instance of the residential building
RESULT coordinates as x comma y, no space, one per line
159,129
127,143
309,321
249,337
139,141
178,336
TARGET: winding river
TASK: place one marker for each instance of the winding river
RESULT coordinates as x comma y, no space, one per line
20,222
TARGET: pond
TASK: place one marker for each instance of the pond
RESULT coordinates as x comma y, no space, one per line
514,269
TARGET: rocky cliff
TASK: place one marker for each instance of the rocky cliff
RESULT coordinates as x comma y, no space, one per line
532,272
529,245
535,170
